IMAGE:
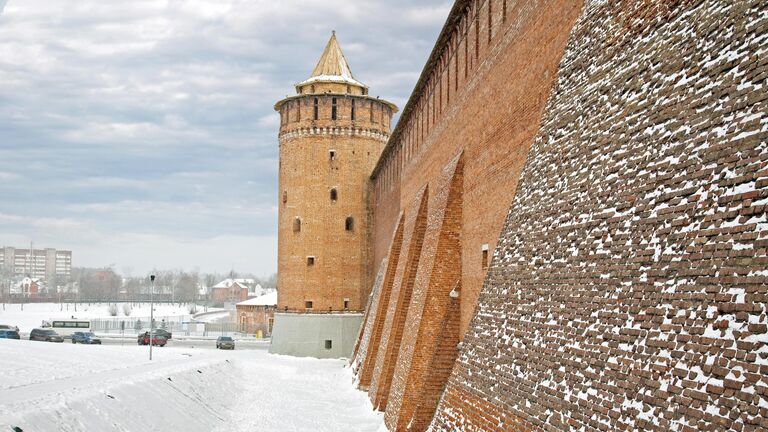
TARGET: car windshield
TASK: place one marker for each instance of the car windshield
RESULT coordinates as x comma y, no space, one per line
49,332
226,339
89,335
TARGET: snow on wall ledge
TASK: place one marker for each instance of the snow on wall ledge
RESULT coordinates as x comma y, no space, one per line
628,288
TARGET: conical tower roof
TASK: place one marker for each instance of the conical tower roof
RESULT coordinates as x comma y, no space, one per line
332,67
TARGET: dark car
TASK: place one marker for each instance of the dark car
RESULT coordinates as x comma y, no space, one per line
157,340
45,335
9,334
225,342
160,332
85,338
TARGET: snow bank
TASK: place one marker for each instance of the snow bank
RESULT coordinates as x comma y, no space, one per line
52,387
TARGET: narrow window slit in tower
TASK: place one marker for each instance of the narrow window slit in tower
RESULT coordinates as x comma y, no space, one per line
504,11
490,22
332,155
352,114
310,262
485,256
315,107
349,223
334,194
333,109
285,197
297,225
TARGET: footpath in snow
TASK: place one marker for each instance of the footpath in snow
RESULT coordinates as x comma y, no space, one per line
64,387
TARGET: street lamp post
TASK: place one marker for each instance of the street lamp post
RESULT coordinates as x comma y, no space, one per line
151,313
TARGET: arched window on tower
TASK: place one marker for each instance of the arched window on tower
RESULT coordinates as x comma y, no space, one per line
334,194
333,109
315,109
297,225
349,223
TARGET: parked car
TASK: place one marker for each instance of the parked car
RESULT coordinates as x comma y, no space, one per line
45,335
225,342
157,340
85,338
9,334
8,327
164,333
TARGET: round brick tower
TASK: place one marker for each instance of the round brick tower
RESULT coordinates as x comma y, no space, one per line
331,135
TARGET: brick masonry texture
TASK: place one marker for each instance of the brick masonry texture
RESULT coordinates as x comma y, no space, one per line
482,96
464,134
628,289
318,155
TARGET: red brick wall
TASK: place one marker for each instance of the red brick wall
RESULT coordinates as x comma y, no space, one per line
628,288
480,96
423,364
224,295
251,318
400,298
491,114
379,306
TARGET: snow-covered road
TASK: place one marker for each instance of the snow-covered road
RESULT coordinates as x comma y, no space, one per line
64,387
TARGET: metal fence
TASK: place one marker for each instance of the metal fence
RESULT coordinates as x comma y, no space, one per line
179,325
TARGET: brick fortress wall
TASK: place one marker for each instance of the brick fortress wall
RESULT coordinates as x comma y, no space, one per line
442,189
628,287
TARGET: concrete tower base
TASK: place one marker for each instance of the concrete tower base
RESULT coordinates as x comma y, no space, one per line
315,335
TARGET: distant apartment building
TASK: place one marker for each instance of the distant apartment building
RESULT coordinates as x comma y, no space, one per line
51,265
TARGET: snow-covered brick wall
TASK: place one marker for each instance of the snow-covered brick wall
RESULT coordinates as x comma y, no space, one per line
629,287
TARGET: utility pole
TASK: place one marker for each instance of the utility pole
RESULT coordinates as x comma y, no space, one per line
151,313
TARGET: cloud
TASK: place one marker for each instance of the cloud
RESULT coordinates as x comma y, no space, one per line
429,15
152,121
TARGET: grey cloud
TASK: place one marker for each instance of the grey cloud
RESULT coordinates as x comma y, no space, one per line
152,120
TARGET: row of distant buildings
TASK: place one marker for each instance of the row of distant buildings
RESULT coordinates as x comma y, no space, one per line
35,270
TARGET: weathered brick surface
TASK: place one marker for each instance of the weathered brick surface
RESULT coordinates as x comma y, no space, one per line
628,287
426,325
374,324
481,97
316,156
400,299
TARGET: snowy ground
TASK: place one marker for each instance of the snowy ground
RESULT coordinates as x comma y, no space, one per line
34,313
64,387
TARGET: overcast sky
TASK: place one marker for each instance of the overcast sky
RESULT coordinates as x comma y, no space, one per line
141,133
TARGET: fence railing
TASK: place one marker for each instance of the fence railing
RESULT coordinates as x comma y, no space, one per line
179,326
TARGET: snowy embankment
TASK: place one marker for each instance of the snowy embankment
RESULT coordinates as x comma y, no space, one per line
51,387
